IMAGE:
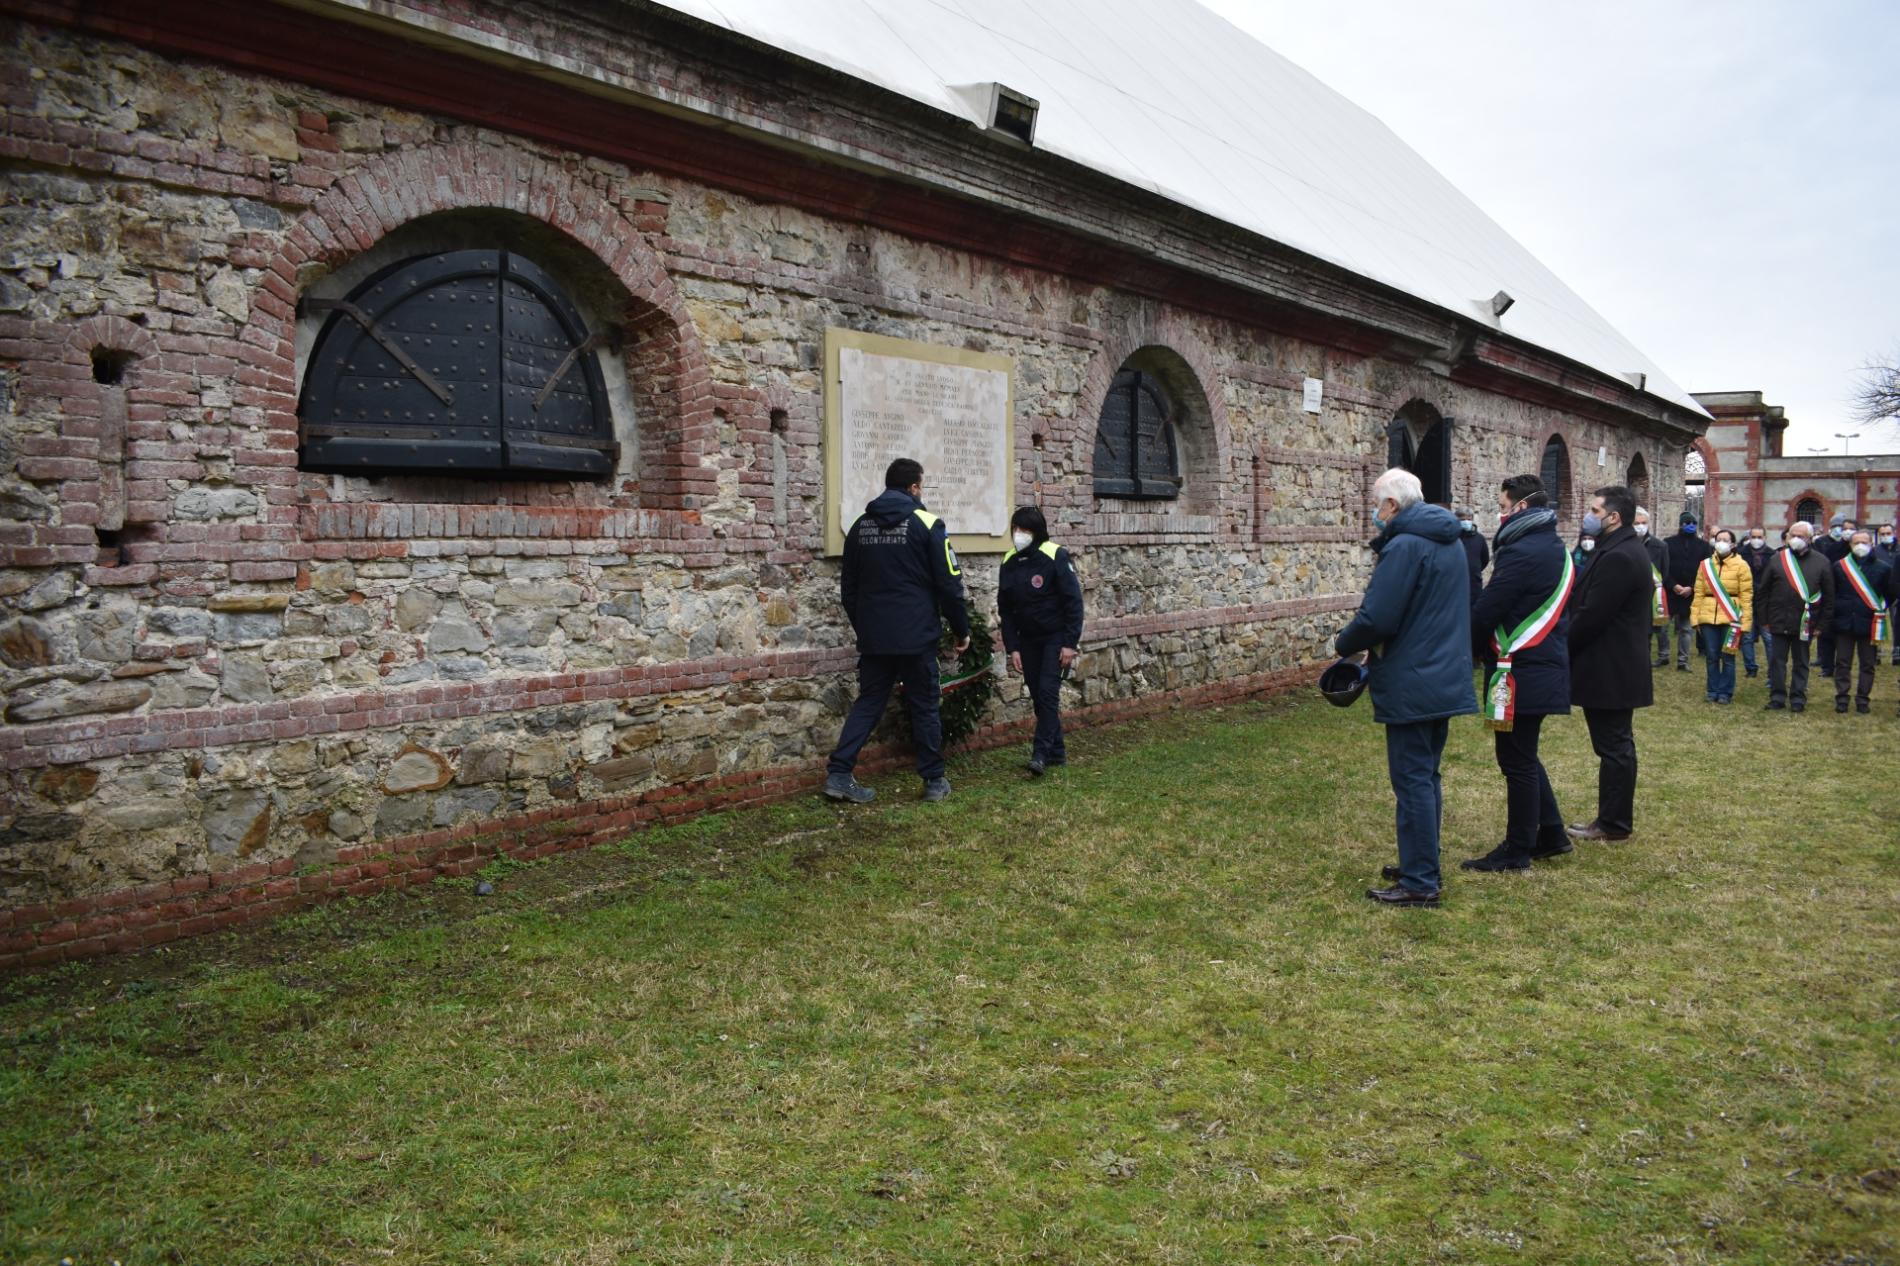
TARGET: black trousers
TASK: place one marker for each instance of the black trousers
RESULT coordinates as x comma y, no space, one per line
1042,671
1846,651
878,675
1613,738
1530,806
1784,650
1824,652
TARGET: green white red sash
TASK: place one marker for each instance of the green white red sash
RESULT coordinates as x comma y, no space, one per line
1712,576
1500,694
1857,581
1799,579
1659,602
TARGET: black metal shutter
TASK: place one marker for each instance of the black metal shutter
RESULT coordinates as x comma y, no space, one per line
1158,472
1441,495
408,374
1115,440
1398,445
555,415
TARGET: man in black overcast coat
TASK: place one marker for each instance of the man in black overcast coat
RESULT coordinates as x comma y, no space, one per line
1686,552
1609,657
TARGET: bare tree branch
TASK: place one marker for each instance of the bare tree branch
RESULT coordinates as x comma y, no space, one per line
1877,397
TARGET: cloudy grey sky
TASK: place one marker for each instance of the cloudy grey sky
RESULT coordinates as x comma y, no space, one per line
1718,178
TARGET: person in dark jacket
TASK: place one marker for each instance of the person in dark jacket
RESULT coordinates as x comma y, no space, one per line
1860,618
1584,551
1686,552
900,582
1527,572
1832,547
1039,598
1414,625
1889,553
1475,548
1755,553
1780,608
1659,561
1609,648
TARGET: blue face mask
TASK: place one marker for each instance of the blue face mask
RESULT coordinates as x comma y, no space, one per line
1688,529
1378,522
1592,524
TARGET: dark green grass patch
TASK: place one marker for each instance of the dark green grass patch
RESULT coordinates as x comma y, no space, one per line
1137,1011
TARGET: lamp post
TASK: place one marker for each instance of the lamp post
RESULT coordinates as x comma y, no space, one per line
1847,446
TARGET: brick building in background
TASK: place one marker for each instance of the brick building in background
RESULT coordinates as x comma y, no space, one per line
1752,481
285,616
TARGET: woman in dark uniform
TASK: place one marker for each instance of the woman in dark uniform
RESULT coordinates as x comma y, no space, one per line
1040,600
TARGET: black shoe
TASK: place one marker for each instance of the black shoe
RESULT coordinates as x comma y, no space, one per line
1035,765
1861,708
845,787
1399,895
936,789
1497,859
1555,847
1751,674
1054,762
1772,706
1797,707
1682,668
1595,831
1840,705
1390,872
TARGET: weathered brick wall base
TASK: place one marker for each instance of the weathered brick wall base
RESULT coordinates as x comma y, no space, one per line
154,914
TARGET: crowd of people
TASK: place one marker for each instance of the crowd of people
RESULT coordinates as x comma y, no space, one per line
1552,627
1557,627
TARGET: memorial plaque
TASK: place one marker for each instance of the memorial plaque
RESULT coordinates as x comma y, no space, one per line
949,409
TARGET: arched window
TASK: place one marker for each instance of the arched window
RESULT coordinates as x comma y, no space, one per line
463,362
1810,511
1554,470
1137,453
1637,480
1418,439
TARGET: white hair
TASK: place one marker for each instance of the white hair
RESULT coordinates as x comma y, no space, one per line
1643,510
1401,485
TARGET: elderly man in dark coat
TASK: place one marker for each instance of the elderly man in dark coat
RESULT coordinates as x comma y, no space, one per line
1686,552
1414,623
1658,559
1860,619
1475,549
1523,617
1609,654
1793,602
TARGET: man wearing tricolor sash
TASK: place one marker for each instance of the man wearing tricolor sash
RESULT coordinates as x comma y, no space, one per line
1658,568
1861,584
1519,625
1794,601
1723,610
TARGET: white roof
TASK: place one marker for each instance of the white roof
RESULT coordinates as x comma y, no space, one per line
1165,95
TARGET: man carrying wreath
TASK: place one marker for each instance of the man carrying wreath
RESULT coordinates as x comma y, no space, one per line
1519,625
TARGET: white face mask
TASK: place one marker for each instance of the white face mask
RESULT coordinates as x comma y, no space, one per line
1642,529
1797,543
1589,543
1862,550
1723,547
1757,542
1886,540
1022,540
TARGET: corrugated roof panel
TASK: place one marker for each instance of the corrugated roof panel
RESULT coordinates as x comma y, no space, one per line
1170,97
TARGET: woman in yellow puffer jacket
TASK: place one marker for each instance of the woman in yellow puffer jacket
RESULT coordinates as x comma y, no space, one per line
1720,618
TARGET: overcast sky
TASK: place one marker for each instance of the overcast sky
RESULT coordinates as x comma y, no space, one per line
1718,178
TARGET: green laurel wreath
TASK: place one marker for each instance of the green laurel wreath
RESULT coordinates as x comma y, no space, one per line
969,686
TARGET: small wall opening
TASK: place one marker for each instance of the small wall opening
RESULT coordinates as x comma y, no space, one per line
109,365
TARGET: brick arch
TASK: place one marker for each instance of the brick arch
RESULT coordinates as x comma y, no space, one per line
1209,462
1567,502
1789,506
674,393
1701,445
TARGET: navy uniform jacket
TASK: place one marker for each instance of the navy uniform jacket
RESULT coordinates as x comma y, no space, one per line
1039,597
901,578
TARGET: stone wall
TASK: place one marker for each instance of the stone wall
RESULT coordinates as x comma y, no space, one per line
231,686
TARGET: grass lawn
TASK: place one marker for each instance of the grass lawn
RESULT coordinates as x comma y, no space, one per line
1136,1012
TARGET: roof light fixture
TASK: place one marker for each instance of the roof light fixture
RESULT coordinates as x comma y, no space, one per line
1501,303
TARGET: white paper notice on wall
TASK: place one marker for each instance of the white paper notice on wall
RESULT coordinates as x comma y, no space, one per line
1313,389
1603,455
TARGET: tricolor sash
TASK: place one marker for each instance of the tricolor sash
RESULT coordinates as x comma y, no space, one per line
1500,694
1659,603
1712,576
1857,581
1799,580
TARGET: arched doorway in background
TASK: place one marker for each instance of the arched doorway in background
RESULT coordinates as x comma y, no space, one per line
1637,480
1554,470
1418,439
